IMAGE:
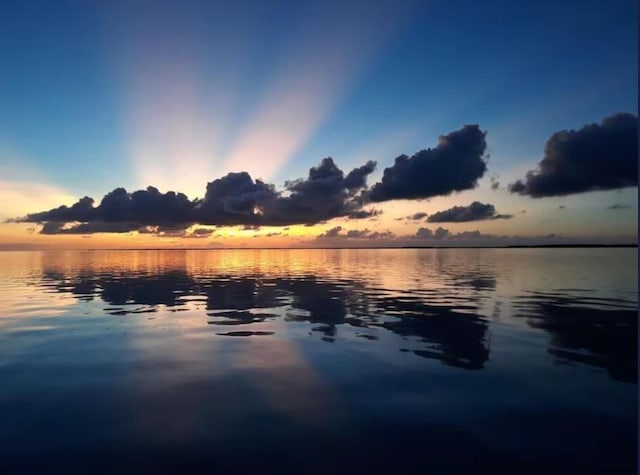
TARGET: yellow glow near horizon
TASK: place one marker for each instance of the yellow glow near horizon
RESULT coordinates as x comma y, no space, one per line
19,198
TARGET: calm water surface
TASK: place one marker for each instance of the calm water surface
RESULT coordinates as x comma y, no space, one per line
348,361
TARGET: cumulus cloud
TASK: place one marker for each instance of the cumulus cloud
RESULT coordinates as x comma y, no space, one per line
357,178
235,199
455,164
476,211
426,233
596,157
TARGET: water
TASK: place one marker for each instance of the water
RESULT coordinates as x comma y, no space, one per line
298,361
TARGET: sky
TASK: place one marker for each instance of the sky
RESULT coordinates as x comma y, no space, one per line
516,121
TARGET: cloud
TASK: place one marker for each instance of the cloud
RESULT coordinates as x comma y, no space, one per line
596,157
235,199
357,233
363,214
381,235
442,236
455,164
476,211
357,178
417,216
336,233
618,206
331,233
52,227
325,194
143,207
426,233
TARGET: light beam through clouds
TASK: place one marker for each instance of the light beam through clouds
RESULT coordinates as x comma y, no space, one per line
331,43
187,122
176,105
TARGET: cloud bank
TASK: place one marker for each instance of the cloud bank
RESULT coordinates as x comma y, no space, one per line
596,157
476,211
237,199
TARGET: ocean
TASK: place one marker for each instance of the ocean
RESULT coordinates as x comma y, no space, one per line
335,361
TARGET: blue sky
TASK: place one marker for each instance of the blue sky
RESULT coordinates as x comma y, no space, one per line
102,94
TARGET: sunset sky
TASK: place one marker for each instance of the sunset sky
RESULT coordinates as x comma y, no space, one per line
97,96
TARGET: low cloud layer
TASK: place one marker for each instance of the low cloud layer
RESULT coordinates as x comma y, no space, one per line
327,192
339,232
438,237
235,199
455,164
596,157
476,211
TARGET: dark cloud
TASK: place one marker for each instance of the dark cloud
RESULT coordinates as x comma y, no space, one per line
442,236
336,233
417,216
363,214
596,157
476,211
331,233
235,199
357,178
562,207
495,184
455,164
82,210
357,233
426,233
381,235
441,233
618,206
52,227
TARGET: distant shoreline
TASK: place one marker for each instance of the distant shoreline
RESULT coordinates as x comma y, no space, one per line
513,246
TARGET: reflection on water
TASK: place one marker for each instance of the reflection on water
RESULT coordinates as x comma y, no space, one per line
598,332
265,359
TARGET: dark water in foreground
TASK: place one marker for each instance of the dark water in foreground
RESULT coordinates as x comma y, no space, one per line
345,361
